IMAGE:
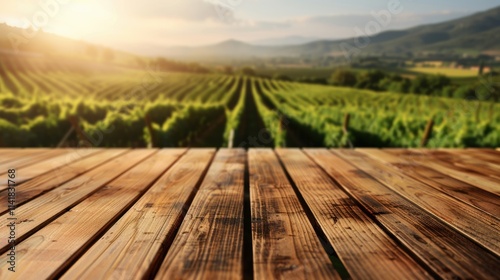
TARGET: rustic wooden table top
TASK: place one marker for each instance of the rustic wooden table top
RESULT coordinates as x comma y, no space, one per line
256,214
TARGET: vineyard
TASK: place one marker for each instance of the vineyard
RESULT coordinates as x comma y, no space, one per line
48,104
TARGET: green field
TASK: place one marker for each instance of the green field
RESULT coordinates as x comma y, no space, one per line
450,72
124,107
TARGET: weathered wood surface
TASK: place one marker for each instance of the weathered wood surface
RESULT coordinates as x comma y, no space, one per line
256,214
83,223
476,224
209,244
11,157
137,242
361,245
284,242
51,180
446,252
47,162
460,173
456,189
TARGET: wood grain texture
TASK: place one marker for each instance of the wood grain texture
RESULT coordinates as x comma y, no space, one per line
133,245
473,178
471,195
486,155
53,179
285,245
195,213
58,244
463,161
363,247
25,159
34,214
15,158
62,158
443,250
473,223
209,244
10,155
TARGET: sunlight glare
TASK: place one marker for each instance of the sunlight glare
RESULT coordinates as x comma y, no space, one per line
81,19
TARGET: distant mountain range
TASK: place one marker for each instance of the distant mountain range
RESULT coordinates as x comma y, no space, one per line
282,41
478,33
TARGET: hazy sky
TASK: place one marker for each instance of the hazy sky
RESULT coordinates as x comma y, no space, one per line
147,24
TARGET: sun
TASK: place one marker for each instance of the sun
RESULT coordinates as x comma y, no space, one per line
84,19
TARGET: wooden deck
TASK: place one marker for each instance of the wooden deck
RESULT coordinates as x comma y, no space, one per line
256,214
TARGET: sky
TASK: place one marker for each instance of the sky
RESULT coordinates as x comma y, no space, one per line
151,24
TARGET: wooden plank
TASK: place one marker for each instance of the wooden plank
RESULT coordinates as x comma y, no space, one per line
364,248
284,242
36,213
23,159
475,224
63,158
477,180
480,158
475,197
487,155
53,179
54,247
137,241
210,240
443,250
465,163
469,176
8,155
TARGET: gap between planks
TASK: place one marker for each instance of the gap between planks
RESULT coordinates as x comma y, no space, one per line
43,183
140,238
42,210
285,244
475,224
447,253
365,249
78,228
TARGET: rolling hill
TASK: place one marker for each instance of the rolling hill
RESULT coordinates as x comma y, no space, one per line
27,42
475,33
